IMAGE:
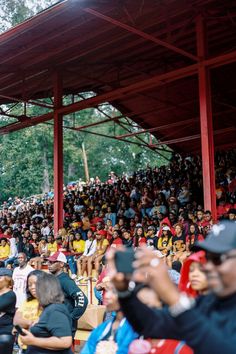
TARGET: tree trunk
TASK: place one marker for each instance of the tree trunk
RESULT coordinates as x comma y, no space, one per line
86,170
46,182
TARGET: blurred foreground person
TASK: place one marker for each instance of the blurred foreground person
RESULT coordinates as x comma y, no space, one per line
7,311
114,335
52,334
208,324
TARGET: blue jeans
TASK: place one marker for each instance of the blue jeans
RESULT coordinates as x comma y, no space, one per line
72,264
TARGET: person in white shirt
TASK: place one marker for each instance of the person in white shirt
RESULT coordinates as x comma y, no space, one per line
45,230
19,277
90,249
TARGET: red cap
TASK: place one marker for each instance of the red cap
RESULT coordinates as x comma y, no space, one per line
57,257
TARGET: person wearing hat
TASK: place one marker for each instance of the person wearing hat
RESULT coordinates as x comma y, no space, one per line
206,325
152,239
75,300
7,311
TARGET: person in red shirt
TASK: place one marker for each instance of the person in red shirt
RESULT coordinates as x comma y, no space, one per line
139,237
116,240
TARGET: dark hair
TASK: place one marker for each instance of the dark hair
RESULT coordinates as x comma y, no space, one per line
37,274
53,295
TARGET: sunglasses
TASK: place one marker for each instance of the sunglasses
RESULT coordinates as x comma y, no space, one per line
218,259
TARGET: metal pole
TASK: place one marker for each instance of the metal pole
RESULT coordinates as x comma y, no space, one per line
207,143
58,155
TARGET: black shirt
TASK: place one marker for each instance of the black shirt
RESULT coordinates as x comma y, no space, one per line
55,321
7,312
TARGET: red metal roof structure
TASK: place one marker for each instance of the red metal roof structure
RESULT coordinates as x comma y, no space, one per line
166,64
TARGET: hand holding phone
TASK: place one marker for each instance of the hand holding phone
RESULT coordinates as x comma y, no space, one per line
124,261
20,330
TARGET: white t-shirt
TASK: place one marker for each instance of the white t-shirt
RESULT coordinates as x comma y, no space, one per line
19,277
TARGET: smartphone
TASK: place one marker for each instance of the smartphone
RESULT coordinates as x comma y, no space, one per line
124,261
19,330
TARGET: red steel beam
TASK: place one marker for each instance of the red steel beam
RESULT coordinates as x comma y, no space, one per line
35,103
206,124
129,90
140,33
58,155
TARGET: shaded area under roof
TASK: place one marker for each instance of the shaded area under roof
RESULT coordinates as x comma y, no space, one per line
141,56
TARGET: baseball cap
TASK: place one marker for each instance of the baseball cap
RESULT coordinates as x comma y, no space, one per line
221,238
57,257
5,272
166,228
151,227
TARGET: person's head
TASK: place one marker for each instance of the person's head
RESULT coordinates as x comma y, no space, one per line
31,284
139,231
220,247
6,281
54,293
3,242
192,229
90,234
43,240
126,234
193,280
110,299
232,214
116,234
109,222
77,236
200,215
22,259
207,216
56,263
34,236
151,231
178,229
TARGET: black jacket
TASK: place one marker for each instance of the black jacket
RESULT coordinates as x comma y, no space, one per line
75,300
208,328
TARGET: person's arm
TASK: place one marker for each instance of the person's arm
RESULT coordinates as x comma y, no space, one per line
20,320
7,300
80,299
51,343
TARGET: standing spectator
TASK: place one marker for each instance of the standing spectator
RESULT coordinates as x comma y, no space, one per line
7,311
20,275
75,300
52,334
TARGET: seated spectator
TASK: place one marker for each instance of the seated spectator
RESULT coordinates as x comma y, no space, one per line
116,240
102,246
193,280
90,249
165,241
126,238
193,236
43,248
4,249
51,245
139,237
151,238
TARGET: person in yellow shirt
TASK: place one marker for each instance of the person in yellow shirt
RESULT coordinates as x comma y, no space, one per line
102,246
52,245
4,249
78,245
29,312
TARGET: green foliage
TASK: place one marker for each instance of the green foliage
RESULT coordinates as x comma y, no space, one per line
26,165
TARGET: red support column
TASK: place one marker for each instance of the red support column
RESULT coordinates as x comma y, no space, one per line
207,142
58,155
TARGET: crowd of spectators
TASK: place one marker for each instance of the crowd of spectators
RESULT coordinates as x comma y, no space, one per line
161,207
